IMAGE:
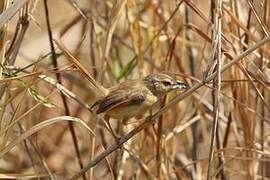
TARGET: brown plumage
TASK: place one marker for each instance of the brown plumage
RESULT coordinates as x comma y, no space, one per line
133,97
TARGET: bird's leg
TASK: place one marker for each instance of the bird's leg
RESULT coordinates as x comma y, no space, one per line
109,127
150,113
138,119
125,121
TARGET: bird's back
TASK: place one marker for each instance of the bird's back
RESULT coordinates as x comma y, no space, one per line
127,99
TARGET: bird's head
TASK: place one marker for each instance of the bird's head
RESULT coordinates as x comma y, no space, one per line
160,84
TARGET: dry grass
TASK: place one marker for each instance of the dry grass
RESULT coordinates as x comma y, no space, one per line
55,55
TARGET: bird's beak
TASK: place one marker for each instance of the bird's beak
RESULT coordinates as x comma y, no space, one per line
180,85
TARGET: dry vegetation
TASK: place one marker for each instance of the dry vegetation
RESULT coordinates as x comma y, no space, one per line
51,50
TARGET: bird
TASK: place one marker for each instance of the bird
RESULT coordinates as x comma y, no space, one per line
134,97
130,98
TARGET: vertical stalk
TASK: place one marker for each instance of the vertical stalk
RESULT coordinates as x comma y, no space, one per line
3,33
67,112
216,82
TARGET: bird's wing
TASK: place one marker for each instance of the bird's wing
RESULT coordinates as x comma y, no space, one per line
121,98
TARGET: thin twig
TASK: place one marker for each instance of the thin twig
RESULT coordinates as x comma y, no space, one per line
67,111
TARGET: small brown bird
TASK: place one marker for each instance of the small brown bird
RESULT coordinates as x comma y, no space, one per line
132,98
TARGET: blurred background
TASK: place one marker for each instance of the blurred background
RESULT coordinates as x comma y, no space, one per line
46,134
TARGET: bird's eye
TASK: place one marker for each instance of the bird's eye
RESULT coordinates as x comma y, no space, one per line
166,83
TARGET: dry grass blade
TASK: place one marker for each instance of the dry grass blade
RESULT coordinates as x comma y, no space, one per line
240,24
56,64
198,11
11,11
178,129
19,176
217,85
39,127
264,27
116,12
100,89
19,77
65,91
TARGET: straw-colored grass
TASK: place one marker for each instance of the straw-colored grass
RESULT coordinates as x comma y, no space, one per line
58,57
